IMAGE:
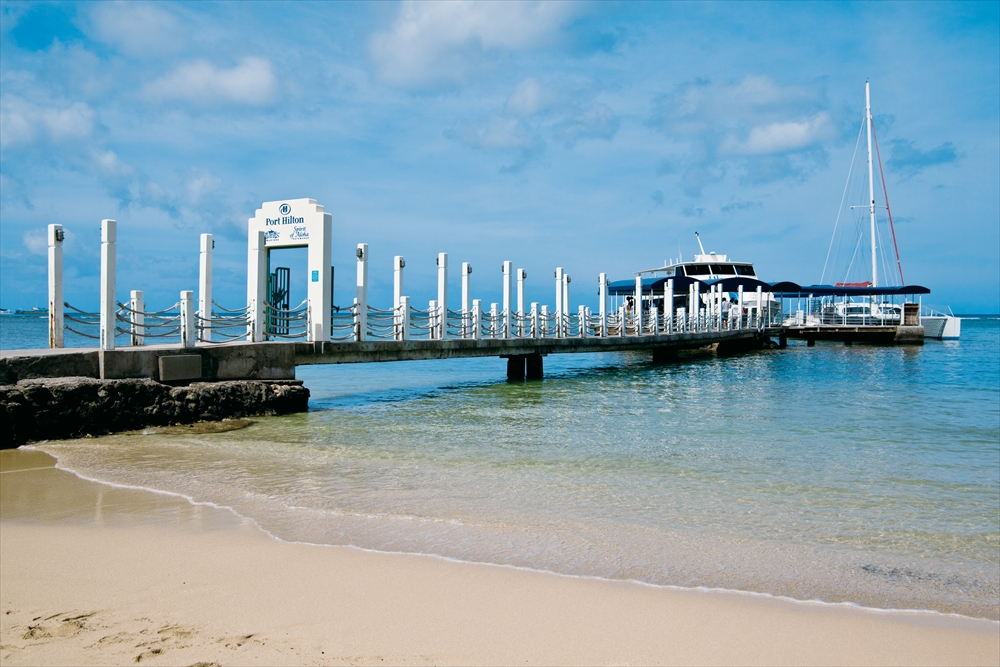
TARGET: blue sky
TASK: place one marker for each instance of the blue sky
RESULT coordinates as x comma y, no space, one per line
593,136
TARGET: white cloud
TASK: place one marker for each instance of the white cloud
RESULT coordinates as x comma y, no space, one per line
22,122
36,241
529,98
597,122
199,82
435,43
201,183
137,29
781,137
496,134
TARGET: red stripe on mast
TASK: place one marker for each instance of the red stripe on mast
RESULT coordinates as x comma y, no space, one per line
888,210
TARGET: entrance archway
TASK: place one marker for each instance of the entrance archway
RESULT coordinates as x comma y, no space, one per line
290,223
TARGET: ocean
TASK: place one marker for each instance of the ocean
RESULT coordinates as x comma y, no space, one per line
859,474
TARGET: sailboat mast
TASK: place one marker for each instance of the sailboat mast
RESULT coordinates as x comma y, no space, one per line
871,181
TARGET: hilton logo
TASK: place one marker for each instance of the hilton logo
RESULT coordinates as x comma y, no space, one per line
284,209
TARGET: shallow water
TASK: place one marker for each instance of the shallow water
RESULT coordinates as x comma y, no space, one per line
856,474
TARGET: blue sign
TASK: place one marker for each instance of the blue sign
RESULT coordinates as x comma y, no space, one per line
315,277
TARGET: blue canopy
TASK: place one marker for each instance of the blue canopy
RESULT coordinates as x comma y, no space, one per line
844,290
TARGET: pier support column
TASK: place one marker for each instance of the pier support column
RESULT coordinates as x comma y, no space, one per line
534,367
515,368
508,277
664,355
56,321
811,342
782,342
205,288
559,304
108,259
256,285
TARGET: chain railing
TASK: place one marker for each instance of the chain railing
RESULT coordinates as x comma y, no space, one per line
228,325
290,323
81,318
141,324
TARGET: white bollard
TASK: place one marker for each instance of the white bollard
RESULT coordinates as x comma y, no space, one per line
361,317
432,319
559,303
357,323
187,318
654,316
108,260
638,305
545,321
205,288
138,305
466,308
534,319
760,303
682,324
494,319
739,307
477,317
696,306
522,275
602,295
404,317
565,305
398,263
582,314
668,307
256,285
56,319
508,277
442,300
622,329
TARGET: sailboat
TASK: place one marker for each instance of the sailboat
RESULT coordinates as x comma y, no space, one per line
936,324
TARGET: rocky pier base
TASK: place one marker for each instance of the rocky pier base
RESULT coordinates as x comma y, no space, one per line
73,407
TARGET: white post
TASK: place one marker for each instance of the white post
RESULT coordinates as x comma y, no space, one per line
521,277
466,311
654,316
534,319
682,319
582,314
362,314
718,308
559,303
622,329
696,306
759,304
256,285
108,260
404,317
477,317
205,287
494,317
565,304
602,295
739,307
432,319
545,321
638,305
138,305
442,300
508,278
56,320
398,263
187,318
668,307
397,297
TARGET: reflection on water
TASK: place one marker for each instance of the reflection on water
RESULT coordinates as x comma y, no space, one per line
862,474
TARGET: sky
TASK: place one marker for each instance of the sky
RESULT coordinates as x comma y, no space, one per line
598,137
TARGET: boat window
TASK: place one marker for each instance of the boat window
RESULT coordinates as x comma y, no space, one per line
697,270
679,271
723,269
744,270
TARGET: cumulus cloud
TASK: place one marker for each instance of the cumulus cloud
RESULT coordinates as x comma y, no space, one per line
759,129
199,82
597,122
440,43
908,160
500,135
22,122
137,29
529,98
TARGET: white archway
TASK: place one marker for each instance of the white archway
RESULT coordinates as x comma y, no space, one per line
290,223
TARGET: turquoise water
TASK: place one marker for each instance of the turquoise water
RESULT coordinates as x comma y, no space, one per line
861,474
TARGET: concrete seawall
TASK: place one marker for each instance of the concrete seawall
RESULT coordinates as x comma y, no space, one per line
72,407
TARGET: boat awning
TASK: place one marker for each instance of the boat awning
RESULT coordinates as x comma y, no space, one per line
682,284
845,290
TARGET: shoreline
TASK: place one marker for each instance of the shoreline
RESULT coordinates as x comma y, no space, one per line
75,548
845,604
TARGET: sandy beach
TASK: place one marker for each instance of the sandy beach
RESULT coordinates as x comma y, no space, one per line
93,574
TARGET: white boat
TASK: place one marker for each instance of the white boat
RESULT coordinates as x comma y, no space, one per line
869,309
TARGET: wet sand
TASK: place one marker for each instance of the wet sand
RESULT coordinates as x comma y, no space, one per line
93,574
